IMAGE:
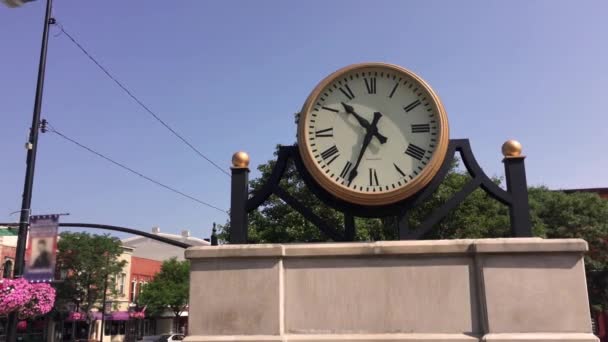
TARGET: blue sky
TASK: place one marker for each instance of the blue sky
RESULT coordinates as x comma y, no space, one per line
229,75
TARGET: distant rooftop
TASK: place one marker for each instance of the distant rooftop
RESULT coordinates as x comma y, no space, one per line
155,250
6,231
602,192
185,236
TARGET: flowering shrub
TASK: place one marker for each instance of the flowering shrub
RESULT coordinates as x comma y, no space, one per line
22,326
76,316
14,294
29,300
137,315
42,298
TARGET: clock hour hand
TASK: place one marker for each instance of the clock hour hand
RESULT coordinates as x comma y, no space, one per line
364,123
366,140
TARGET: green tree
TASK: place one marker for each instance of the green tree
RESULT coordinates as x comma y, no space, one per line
578,215
168,289
554,214
87,261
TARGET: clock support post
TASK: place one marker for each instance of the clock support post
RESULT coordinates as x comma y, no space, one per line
519,209
349,227
238,198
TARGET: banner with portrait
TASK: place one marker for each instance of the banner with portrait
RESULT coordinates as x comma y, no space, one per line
42,248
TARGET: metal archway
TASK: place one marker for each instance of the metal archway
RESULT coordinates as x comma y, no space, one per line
117,229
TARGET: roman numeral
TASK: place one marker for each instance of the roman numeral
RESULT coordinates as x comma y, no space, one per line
331,109
328,132
348,93
411,106
370,85
415,151
399,170
345,170
393,91
421,128
373,177
330,152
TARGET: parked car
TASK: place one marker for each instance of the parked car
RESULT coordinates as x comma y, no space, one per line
171,337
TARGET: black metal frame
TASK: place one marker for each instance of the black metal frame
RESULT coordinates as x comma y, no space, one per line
515,197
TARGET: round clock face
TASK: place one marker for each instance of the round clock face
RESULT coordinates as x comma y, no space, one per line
373,133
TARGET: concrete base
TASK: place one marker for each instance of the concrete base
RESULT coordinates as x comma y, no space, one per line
454,290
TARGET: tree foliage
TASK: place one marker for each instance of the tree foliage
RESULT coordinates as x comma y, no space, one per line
168,290
87,261
554,214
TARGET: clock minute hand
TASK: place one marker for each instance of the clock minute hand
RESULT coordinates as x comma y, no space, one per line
353,172
366,140
364,123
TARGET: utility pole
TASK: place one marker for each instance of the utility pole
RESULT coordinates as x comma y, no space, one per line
32,146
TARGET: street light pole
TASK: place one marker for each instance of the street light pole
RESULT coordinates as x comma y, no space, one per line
103,301
32,146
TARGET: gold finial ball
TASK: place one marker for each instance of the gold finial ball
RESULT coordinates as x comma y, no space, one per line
511,148
240,160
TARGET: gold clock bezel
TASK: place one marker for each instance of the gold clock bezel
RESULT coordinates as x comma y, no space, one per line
373,198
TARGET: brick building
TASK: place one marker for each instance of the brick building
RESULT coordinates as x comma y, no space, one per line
142,272
146,261
602,192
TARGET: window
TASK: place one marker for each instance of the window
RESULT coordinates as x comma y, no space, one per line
115,328
8,268
149,327
120,283
133,291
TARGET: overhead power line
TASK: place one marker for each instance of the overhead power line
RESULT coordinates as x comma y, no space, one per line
53,130
138,101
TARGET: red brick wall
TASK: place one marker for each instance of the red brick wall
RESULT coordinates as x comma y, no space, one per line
142,270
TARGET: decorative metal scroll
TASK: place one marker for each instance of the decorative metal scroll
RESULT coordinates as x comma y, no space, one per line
515,197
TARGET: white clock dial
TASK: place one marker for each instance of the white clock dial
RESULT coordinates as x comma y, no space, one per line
372,129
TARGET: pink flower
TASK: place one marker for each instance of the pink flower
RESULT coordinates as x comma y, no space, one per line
137,315
21,325
14,294
75,316
29,300
41,301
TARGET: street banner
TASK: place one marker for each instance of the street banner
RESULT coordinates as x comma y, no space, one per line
15,3
42,248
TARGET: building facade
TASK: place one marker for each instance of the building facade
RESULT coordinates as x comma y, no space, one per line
144,258
148,256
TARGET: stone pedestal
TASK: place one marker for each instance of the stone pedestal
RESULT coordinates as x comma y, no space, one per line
454,290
